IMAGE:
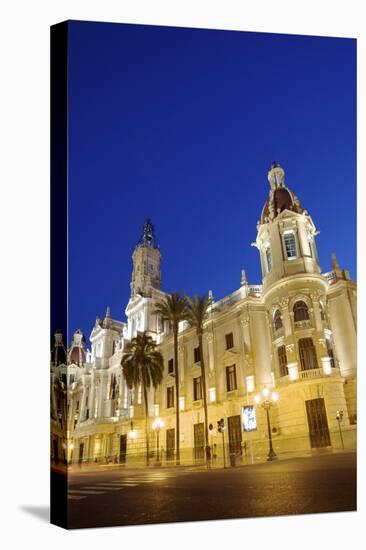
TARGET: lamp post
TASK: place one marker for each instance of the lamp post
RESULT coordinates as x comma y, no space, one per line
339,417
266,400
157,425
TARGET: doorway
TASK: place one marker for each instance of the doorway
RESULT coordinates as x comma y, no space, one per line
235,436
199,440
55,450
122,448
318,423
81,452
170,444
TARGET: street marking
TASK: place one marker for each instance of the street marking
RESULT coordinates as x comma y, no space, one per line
107,487
75,497
85,492
121,484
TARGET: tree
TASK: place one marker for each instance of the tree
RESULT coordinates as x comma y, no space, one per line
197,314
142,365
173,308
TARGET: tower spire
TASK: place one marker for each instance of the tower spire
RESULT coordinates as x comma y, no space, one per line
335,264
148,234
146,273
107,318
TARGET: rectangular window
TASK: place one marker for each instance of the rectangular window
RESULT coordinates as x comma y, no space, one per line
171,366
307,352
156,410
170,397
229,340
197,355
231,378
290,245
331,354
139,395
197,388
181,403
212,395
282,360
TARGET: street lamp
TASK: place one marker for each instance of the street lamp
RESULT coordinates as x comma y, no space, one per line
157,425
339,417
266,400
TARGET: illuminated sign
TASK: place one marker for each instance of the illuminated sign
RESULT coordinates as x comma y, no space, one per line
249,418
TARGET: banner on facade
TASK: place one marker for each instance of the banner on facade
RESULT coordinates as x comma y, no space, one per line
249,418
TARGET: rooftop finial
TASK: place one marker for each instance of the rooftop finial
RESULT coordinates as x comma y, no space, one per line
335,264
107,318
243,277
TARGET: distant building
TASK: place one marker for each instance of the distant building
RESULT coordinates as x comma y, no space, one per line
295,332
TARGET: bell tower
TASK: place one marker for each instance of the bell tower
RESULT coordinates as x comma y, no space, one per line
286,233
146,273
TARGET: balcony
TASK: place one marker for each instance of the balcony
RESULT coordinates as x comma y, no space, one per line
255,290
313,373
301,325
277,333
331,277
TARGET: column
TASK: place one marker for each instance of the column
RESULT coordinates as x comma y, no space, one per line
181,362
287,320
320,343
248,357
211,363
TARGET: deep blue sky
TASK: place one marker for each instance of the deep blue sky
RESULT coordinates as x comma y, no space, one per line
181,125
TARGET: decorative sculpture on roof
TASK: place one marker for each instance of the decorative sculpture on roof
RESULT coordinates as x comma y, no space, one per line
148,234
276,176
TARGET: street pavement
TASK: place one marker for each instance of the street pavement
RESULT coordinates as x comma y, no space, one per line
118,496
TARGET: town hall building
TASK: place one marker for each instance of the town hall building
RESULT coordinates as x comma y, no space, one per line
293,337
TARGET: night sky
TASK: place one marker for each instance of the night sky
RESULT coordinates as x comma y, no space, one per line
181,125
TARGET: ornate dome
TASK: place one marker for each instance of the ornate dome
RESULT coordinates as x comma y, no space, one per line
280,197
279,200
58,353
77,353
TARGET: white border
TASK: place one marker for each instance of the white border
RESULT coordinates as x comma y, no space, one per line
25,264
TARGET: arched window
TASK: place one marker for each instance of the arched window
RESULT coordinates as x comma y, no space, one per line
277,320
301,312
307,354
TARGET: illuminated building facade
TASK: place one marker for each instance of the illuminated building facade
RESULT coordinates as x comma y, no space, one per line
296,332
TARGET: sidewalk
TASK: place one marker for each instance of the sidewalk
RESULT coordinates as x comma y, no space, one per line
240,463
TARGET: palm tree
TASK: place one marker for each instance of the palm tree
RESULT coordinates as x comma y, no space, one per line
197,314
142,364
173,308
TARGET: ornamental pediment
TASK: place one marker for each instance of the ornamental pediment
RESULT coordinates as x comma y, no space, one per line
231,355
